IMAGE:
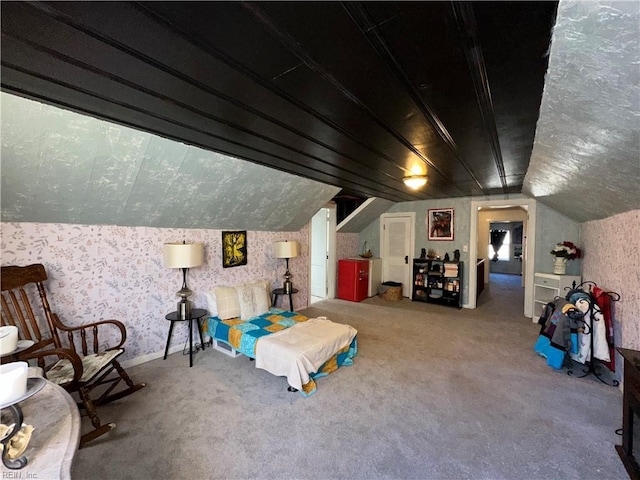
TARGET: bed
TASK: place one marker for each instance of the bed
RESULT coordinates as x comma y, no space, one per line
289,344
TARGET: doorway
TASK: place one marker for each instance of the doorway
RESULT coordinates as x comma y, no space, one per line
322,274
504,292
506,240
478,244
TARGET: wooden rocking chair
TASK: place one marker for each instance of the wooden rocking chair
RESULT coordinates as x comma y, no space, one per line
81,370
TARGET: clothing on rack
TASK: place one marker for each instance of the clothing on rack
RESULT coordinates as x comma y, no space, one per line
555,336
592,323
605,302
580,325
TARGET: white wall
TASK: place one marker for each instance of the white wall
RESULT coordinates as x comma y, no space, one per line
552,228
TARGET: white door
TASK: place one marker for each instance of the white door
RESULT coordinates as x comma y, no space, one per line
397,245
319,254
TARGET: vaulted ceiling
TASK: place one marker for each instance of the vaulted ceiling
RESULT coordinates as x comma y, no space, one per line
353,95
348,95
586,157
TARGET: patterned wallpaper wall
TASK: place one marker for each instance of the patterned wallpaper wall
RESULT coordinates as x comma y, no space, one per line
99,272
102,272
612,260
347,245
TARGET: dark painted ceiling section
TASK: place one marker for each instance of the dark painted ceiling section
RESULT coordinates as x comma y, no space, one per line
354,95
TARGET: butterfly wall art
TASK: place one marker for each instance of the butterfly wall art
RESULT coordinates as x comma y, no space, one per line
234,249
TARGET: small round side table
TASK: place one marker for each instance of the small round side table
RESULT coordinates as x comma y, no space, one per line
195,314
280,291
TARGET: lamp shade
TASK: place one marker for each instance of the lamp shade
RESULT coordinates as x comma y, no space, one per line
183,255
286,249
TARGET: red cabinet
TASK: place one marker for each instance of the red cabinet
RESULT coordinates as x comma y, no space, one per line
353,280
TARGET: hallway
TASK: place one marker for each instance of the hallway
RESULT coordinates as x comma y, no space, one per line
504,292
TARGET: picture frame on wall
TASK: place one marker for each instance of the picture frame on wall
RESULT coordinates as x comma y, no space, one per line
440,224
234,248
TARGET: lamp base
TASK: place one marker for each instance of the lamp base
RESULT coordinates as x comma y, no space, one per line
184,309
287,286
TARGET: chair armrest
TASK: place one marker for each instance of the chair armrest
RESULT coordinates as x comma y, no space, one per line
94,326
60,353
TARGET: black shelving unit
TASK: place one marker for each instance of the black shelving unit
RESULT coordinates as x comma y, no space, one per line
437,281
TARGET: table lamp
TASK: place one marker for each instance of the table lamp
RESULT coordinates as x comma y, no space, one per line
185,256
286,250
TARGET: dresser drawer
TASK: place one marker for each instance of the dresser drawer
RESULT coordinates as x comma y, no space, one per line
547,282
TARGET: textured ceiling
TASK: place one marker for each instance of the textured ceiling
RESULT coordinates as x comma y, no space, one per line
62,167
586,157
351,94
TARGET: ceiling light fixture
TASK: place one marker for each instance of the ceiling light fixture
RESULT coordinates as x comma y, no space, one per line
415,181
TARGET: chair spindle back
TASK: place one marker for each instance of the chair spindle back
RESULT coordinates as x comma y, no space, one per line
22,287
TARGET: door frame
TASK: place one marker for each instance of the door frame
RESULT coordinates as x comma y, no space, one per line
332,261
530,205
412,246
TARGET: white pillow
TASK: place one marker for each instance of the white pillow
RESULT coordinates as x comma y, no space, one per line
228,305
261,299
265,285
211,303
247,302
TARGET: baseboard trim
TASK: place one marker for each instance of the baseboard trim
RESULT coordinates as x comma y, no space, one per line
151,356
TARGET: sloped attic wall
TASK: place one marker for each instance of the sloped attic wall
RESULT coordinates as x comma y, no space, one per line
585,161
62,167
95,201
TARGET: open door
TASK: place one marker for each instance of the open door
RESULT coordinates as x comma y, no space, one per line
319,255
322,265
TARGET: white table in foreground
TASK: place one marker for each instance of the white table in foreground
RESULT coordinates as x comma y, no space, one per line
56,434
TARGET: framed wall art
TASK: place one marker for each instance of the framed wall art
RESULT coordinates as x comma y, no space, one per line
440,224
234,249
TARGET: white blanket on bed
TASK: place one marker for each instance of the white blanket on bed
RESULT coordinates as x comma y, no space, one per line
302,349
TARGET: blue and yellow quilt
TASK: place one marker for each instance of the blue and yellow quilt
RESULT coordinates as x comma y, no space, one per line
243,336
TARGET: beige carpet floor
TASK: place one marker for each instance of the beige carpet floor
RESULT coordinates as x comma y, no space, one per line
435,393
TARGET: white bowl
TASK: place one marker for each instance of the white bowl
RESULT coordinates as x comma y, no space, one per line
8,339
13,381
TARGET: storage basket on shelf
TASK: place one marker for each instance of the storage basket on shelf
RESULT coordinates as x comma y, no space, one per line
390,291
